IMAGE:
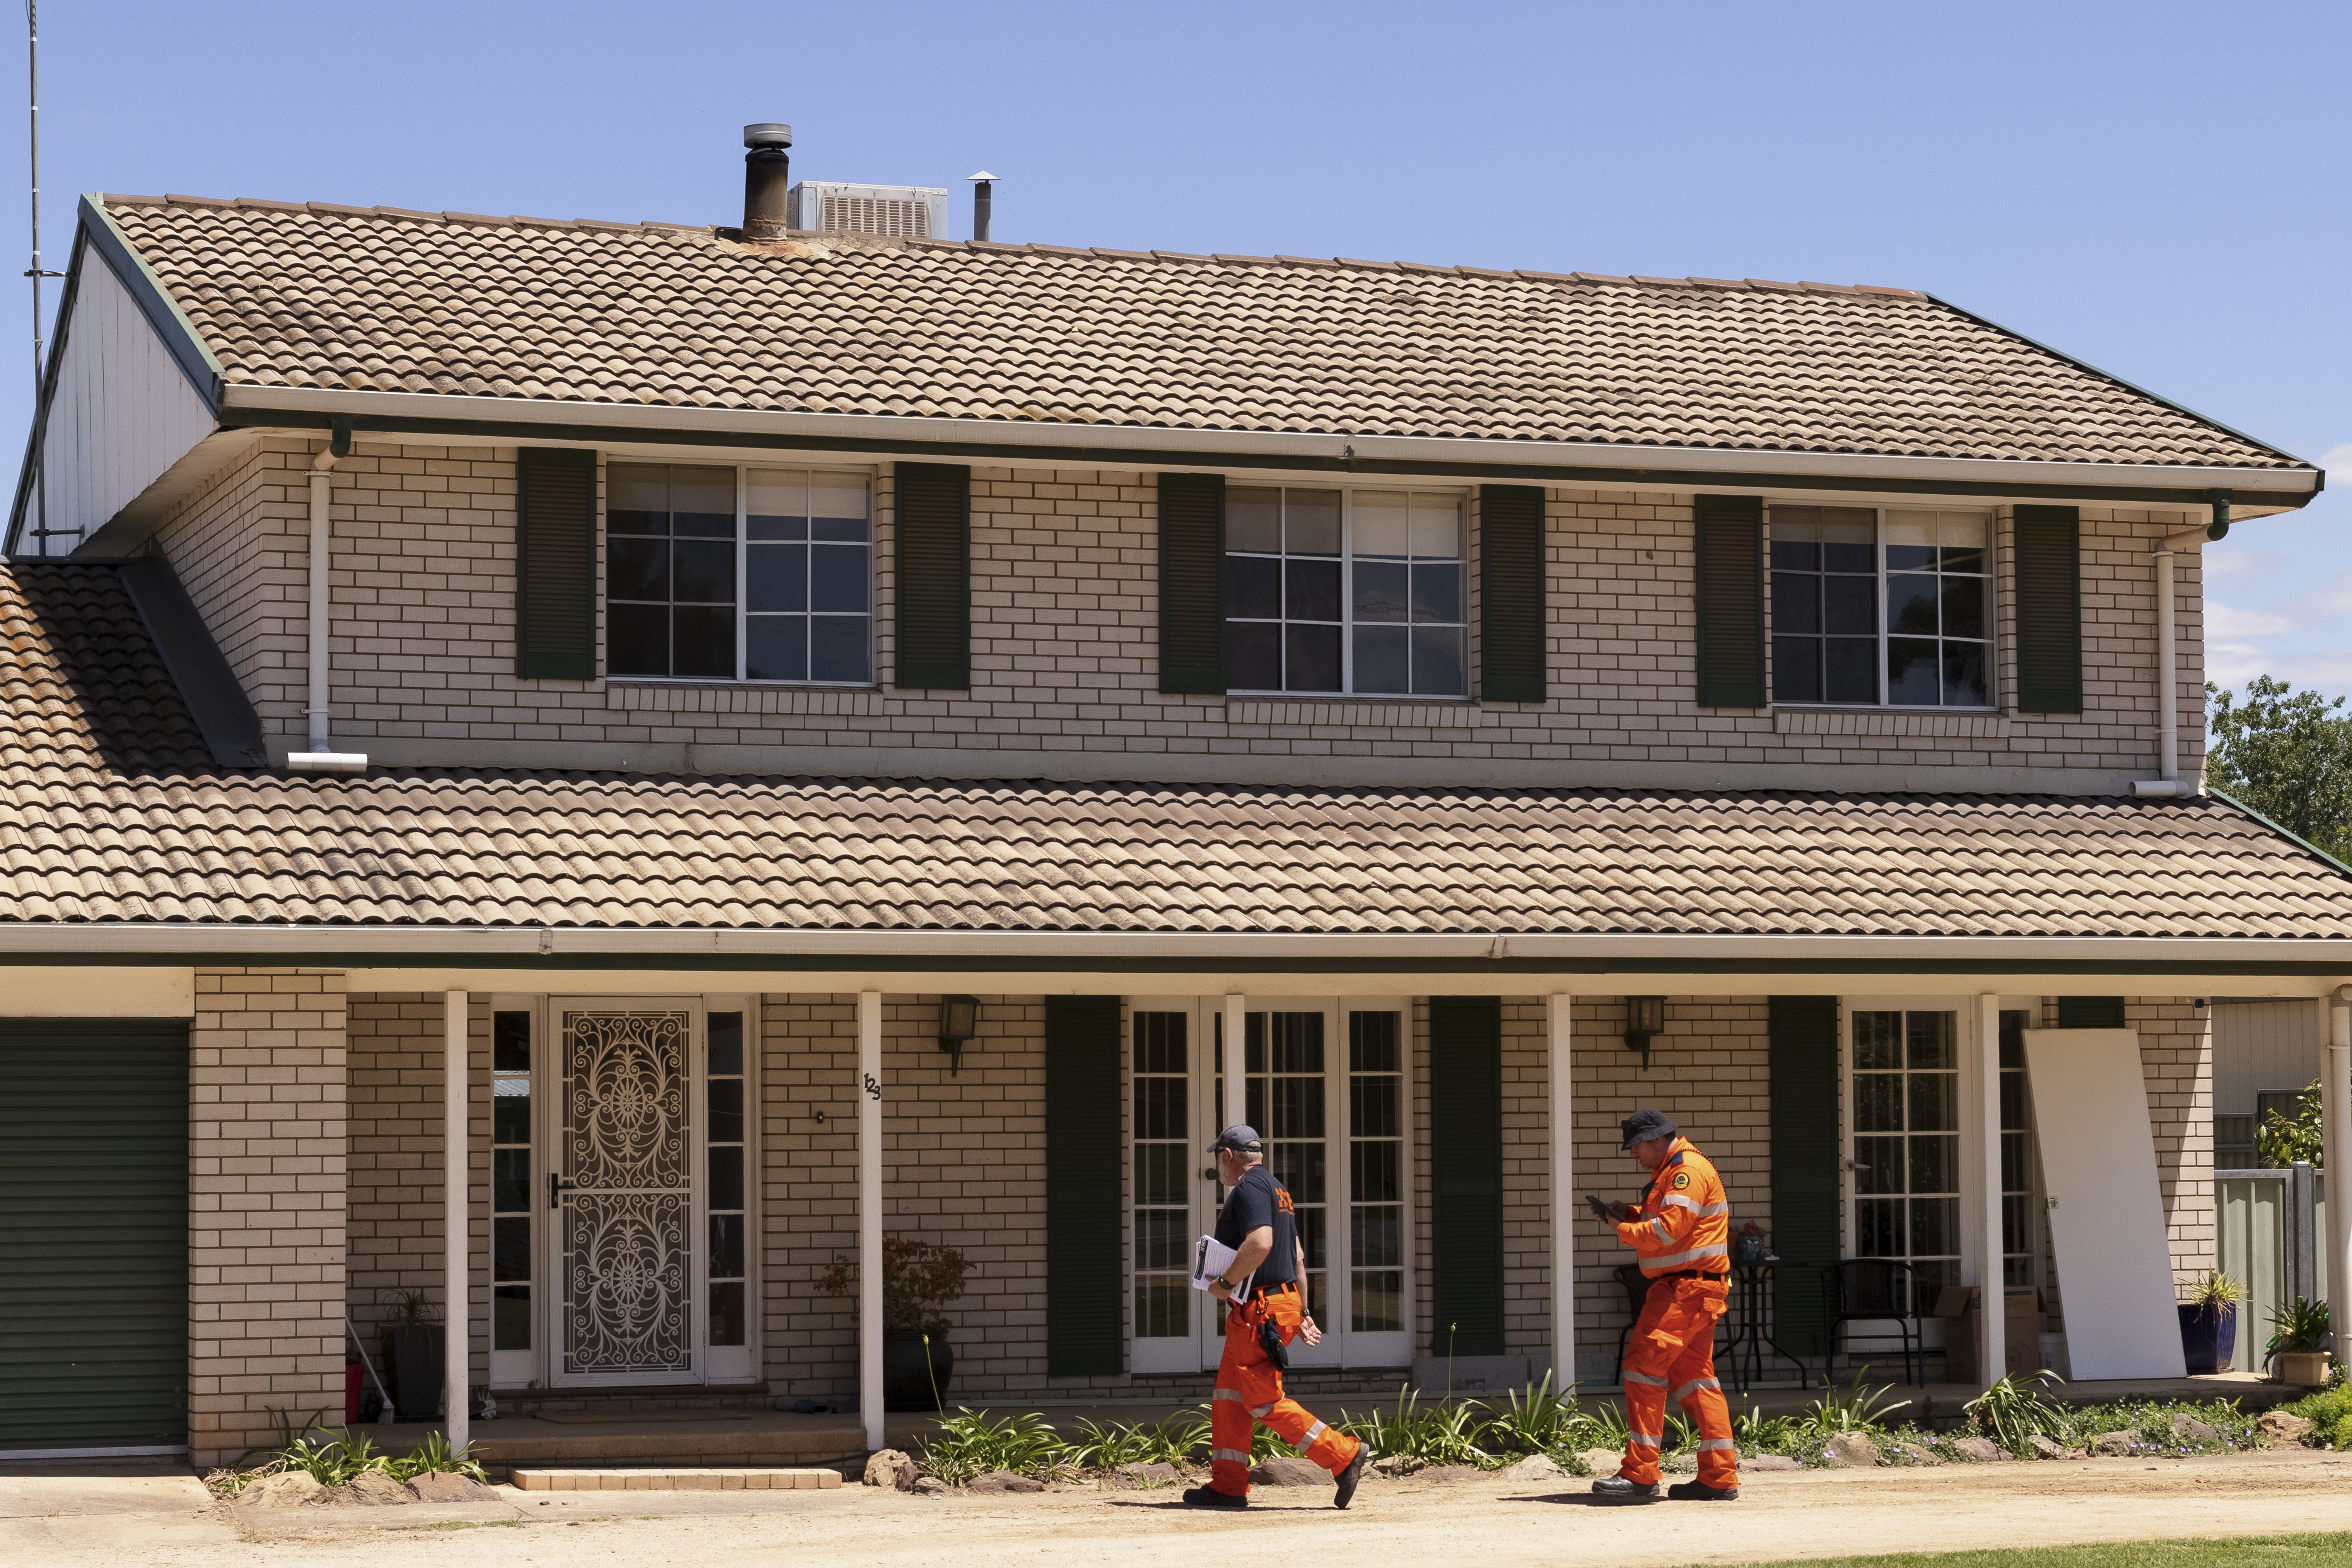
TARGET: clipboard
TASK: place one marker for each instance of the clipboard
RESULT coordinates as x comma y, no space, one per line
1210,1259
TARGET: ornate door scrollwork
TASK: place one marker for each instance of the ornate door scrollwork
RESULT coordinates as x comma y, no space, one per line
627,1267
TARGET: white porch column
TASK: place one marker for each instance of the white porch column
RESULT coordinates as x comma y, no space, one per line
1563,1195
458,1299
1980,1259
1236,1106
869,1214
2336,1122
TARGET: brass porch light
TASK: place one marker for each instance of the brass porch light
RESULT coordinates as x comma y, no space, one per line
959,1022
1645,1016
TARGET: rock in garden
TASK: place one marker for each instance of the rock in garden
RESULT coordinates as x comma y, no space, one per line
1534,1467
1853,1448
1768,1462
1605,1461
2189,1429
929,1486
1449,1473
1129,1477
890,1467
377,1489
1289,1470
447,1486
2044,1449
287,1488
1984,1451
1002,1481
1917,1454
2112,1445
2280,1426
1393,1466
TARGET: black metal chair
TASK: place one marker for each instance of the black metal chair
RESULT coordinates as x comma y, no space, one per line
1873,1289
1637,1291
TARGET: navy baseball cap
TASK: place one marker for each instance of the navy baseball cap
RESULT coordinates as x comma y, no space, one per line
1643,1125
1241,1140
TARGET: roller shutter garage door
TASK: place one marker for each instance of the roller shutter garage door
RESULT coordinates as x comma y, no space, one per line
93,1235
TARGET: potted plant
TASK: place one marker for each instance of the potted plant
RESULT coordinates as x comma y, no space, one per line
416,1355
2209,1320
2297,1332
919,1279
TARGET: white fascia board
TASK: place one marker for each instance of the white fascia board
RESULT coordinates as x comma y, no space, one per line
1209,445
1030,947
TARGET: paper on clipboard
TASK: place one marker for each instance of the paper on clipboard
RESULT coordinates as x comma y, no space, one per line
1210,1259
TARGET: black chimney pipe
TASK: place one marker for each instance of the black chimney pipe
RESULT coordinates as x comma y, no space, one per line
983,187
767,177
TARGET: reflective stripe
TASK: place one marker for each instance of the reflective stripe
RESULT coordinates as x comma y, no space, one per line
1714,1209
1233,1394
1676,1201
1643,1440
1229,1456
1632,1377
1658,1228
1261,1411
1717,1444
1312,1433
1688,1389
1672,1260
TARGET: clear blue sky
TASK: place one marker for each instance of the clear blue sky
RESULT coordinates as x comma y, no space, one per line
2159,189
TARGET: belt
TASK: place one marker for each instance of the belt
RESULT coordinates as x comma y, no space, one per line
1690,1274
1286,1287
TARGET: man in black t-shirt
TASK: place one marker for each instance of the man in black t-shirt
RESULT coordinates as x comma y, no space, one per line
1265,1284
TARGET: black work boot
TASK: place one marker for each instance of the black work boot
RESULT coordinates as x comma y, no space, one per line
1699,1492
1210,1497
1617,1489
1348,1478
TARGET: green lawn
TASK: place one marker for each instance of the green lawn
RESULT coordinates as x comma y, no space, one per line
2246,1552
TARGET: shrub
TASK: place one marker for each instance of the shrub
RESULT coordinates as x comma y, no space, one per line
435,1456
1444,1433
1536,1420
919,1279
2012,1411
970,1443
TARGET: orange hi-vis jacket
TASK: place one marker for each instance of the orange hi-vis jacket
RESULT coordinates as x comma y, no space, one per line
1683,1222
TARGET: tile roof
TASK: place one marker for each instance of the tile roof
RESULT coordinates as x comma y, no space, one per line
320,295
110,810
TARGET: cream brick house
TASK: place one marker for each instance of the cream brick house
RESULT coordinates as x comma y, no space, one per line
540,717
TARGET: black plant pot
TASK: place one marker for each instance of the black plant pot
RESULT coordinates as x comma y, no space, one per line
415,1368
2209,1336
915,1376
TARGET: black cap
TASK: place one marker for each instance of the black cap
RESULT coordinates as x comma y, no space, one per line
1239,1139
1643,1125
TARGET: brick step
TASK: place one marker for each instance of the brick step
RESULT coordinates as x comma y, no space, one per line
701,1479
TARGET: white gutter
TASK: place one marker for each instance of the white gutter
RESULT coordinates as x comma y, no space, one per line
2250,484
2168,659
122,937
322,757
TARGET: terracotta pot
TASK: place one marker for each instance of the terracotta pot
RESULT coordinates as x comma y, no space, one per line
2303,1368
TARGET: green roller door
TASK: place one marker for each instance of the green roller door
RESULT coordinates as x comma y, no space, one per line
93,1234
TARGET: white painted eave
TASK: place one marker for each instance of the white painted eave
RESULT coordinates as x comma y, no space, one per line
663,422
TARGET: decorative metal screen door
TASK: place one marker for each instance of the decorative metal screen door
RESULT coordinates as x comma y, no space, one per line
625,1192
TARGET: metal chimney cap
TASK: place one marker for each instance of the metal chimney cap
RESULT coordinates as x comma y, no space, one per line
983,174
767,135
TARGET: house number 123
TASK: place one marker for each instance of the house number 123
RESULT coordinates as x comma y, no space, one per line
873,1089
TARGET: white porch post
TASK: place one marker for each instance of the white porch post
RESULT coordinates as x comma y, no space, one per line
1980,1222
1236,1106
1563,1195
2335,1120
869,1214
458,1309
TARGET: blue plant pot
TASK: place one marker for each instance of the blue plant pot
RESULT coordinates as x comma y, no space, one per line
2209,1336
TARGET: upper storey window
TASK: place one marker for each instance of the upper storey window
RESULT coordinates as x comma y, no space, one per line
720,573
1882,606
1353,592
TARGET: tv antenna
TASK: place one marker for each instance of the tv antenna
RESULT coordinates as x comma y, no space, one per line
35,272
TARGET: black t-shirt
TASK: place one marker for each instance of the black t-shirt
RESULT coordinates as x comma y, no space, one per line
1260,1200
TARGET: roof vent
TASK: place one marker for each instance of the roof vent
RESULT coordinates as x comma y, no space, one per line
899,212
767,168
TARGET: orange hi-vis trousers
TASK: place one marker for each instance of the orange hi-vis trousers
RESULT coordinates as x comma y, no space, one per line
1672,1351
1249,1389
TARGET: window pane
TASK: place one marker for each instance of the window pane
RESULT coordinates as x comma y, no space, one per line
837,578
725,1178
727,1314
1311,657
637,639
1911,605
1163,1309
1253,587
703,570
510,1178
726,1246
511,1248
1879,1164
1964,676
1380,590
1796,670
1159,1043
1929,1041
637,569
838,505
1910,540
1877,1040
1162,1238
1161,1171
510,1042
726,1044
1850,607
1935,1165
1848,540
1935,1226
778,577
1311,590
1436,528
775,647
1878,1227
1438,667
1378,1234
726,1112
1878,1102
1437,590
1796,602
1851,670
1382,523
703,645
1934,1106
1254,656
1796,545
1160,1106
1378,1173
1383,659
1254,520
1963,606
1376,1305
510,1317
1373,1043
637,498
702,503
1911,666
839,648
1374,1106
776,493
510,1110
1311,522
790,530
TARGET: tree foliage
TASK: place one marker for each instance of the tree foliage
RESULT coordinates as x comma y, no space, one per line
2286,1137
2287,754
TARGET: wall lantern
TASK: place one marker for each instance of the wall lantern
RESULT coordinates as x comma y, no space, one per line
1645,1016
959,1022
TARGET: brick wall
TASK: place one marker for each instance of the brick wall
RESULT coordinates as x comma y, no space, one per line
266,1206
1065,638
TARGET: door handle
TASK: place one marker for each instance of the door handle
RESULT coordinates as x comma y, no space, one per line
555,1184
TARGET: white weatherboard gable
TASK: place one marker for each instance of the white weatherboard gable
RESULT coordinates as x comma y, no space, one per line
123,412
2106,1215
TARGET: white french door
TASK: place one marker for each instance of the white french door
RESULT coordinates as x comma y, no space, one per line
1326,1083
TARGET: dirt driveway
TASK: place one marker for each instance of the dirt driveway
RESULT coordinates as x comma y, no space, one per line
1812,1514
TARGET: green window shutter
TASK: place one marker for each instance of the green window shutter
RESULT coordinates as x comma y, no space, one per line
2049,555
934,577
1512,634
1192,583
1730,566
556,564
1801,1032
1466,1174
1083,1204
2091,1012
94,1235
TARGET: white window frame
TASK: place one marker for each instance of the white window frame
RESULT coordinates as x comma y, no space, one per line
523,1368
1342,1346
1348,493
742,472
1879,573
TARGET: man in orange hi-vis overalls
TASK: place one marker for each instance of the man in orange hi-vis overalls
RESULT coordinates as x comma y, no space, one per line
1267,1286
1681,1231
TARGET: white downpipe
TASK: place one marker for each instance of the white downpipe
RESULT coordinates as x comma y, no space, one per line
869,1216
1983,1119
321,757
457,1297
2335,1122
2168,667
1563,1192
